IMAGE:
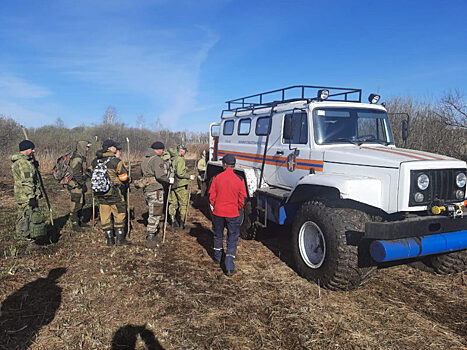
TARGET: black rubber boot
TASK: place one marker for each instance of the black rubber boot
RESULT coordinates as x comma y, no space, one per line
121,240
173,222
75,227
182,224
109,234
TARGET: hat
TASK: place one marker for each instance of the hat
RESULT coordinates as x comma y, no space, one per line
157,145
26,144
110,143
182,146
229,159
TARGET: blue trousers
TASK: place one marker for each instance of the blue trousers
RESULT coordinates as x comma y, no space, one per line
233,232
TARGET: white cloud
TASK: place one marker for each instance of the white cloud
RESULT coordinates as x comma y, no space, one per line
165,73
15,87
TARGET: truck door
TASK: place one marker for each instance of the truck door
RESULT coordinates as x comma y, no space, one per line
292,148
214,129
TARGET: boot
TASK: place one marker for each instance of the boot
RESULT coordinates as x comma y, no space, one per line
121,240
75,227
173,221
109,234
182,224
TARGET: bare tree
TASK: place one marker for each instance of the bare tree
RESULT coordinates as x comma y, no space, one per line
140,122
59,123
110,116
452,110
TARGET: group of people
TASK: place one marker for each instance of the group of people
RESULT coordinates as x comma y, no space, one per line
165,178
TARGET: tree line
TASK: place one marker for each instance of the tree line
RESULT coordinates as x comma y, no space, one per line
437,126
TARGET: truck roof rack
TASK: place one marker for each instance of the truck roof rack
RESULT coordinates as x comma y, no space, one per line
291,94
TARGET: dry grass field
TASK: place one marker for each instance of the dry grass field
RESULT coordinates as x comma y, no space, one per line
79,294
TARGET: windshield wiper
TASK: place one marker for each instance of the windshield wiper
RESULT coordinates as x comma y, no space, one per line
343,139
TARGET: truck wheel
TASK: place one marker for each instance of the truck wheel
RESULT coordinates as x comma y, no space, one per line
449,263
319,246
248,229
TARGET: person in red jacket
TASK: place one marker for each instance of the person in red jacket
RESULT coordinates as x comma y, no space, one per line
227,196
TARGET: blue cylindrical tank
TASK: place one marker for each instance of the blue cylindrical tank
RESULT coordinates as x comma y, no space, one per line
382,251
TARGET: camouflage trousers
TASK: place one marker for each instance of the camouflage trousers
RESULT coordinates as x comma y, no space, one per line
77,203
178,199
155,202
30,222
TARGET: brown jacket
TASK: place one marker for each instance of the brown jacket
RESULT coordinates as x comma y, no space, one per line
153,167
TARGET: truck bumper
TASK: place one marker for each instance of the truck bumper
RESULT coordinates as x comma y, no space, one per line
382,251
414,227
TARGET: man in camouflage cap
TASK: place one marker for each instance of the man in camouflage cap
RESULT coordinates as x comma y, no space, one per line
30,223
178,198
77,185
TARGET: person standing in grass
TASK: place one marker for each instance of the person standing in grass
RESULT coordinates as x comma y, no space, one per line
112,201
154,170
77,185
227,197
30,222
178,197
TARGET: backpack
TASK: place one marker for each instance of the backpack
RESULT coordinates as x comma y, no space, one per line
100,179
62,171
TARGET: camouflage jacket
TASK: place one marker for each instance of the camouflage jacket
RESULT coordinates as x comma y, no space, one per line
153,167
180,170
25,177
116,169
78,165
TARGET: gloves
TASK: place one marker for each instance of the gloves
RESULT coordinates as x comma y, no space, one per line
33,202
171,180
84,188
192,177
35,163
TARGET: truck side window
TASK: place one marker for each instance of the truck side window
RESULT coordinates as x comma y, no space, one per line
300,128
263,126
244,126
228,127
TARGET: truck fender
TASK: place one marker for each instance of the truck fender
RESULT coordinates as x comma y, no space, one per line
365,190
249,175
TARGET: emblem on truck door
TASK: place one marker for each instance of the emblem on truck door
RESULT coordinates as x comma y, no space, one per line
291,162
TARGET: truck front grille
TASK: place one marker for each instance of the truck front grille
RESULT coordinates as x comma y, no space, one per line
442,186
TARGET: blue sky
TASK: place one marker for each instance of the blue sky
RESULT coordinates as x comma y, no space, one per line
180,60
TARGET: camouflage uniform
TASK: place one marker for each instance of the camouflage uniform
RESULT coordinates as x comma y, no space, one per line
77,185
155,170
178,198
112,202
30,222
201,166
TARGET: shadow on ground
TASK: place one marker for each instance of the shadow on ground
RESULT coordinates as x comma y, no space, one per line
127,336
27,310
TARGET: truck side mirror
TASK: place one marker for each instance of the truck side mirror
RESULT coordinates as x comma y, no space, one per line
288,128
405,129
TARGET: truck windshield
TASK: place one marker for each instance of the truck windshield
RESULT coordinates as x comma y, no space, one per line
351,125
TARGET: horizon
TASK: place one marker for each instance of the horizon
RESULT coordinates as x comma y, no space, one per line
179,62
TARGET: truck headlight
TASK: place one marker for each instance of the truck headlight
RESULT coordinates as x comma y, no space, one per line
460,194
423,181
419,197
460,180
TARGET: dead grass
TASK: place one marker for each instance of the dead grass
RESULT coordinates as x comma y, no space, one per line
176,294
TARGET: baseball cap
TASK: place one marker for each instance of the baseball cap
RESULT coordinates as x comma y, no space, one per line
229,159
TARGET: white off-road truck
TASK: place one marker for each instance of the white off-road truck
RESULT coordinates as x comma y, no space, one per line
321,161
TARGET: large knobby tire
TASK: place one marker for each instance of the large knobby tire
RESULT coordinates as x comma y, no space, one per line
248,229
449,263
319,246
